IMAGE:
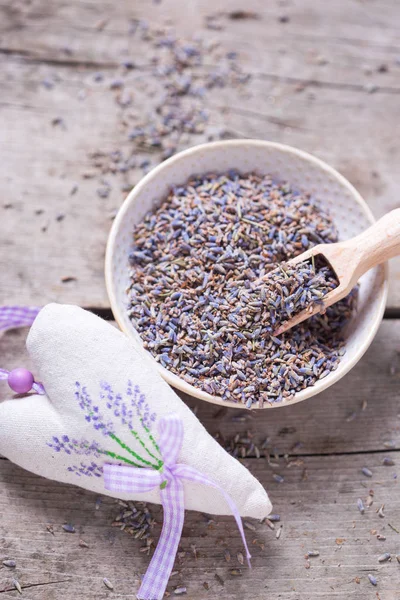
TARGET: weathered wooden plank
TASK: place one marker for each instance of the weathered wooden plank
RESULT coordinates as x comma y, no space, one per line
330,41
307,89
332,422
317,513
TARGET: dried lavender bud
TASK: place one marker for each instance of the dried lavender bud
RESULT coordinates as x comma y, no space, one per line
11,564
365,471
179,591
278,478
108,583
274,518
196,299
384,557
289,289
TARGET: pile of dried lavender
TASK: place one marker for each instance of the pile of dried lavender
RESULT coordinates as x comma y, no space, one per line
137,520
194,262
165,103
287,290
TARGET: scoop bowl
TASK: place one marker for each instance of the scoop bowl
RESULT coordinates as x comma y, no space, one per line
306,173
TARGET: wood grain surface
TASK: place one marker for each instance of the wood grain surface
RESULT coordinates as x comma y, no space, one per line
324,77
319,448
317,504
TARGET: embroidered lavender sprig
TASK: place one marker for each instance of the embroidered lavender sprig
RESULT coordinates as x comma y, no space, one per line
127,412
90,470
124,413
138,406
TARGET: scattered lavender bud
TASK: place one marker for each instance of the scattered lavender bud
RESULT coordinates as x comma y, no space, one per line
370,499
10,563
69,528
108,583
365,471
128,64
249,525
372,579
274,518
388,461
384,557
360,506
278,478
390,444
116,84
312,553
103,192
48,84
17,586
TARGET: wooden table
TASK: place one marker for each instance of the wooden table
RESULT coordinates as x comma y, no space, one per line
324,77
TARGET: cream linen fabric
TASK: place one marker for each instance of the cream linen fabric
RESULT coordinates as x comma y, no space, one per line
69,345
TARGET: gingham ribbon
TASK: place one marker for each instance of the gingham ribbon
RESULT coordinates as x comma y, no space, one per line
133,480
17,316
12,317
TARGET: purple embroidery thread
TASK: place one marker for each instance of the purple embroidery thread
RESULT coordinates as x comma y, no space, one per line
125,412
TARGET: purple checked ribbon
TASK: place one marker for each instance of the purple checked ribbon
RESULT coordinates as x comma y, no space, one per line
17,316
133,480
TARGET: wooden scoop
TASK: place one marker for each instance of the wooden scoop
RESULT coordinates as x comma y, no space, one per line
350,260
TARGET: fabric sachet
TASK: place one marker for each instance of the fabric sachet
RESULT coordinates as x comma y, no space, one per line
107,422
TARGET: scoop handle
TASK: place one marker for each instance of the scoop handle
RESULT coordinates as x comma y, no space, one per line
377,244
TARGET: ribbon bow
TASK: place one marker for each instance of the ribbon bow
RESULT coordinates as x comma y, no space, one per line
170,481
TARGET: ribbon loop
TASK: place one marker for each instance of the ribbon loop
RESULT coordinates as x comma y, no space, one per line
17,316
133,479
130,480
170,438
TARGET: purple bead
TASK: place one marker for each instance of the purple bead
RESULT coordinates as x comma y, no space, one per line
20,381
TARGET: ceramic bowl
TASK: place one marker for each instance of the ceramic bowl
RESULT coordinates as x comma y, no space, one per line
306,173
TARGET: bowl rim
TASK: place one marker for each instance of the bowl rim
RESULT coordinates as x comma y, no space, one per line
173,379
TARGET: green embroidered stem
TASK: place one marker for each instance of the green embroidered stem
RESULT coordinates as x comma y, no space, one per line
118,457
147,430
125,447
137,437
